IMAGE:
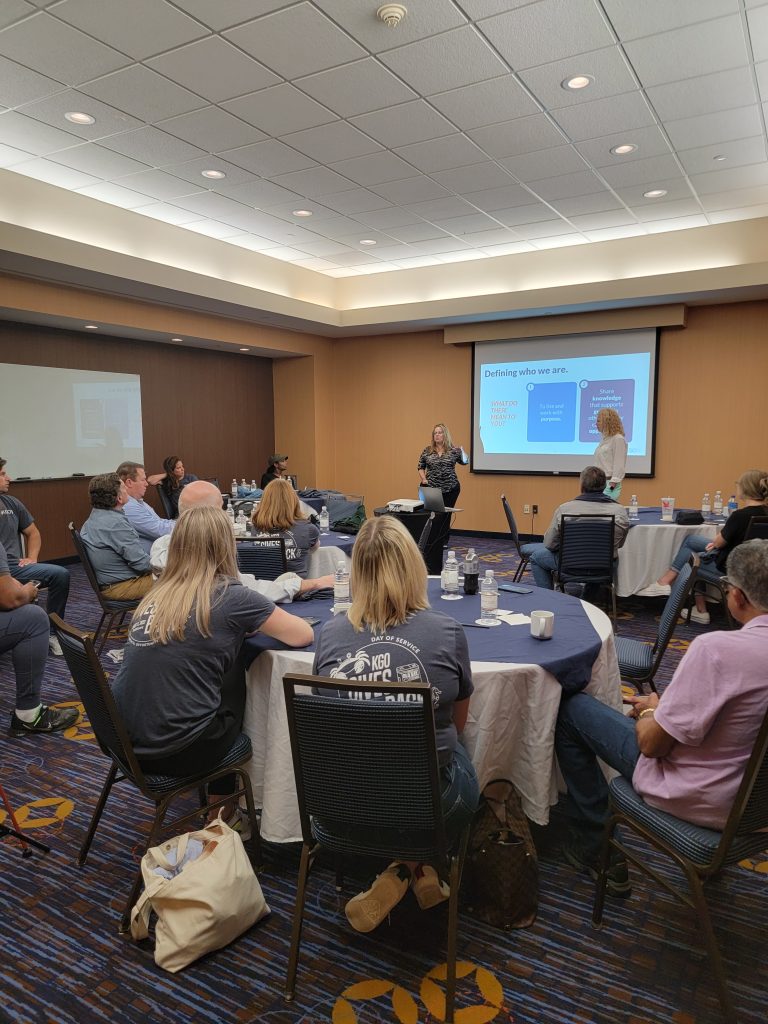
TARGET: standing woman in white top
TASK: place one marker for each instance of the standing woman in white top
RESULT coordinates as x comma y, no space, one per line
611,453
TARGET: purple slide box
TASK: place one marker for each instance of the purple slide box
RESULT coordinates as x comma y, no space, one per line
605,394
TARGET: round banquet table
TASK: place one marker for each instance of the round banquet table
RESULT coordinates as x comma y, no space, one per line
650,546
334,548
512,712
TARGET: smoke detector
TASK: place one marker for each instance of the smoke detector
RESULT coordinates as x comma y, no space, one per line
391,14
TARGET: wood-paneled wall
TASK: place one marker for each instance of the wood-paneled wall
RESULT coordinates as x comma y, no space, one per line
213,409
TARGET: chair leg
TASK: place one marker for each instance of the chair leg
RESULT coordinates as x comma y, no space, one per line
106,633
98,630
602,876
613,605
307,857
339,872
716,960
105,790
154,835
255,839
453,927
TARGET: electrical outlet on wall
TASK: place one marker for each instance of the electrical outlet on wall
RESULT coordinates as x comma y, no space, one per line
526,510
535,509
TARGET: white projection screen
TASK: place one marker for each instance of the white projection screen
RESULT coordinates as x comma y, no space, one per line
57,423
534,401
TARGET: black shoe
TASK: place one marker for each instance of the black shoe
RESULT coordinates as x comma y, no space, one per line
618,873
48,720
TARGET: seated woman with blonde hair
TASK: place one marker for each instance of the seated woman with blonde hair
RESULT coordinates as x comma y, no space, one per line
390,618
279,515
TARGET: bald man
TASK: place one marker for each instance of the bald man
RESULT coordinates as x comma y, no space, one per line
282,590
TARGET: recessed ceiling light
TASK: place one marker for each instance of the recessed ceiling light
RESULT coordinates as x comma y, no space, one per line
626,147
719,157
655,193
577,82
78,117
177,339
302,213
367,241
91,327
245,350
213,174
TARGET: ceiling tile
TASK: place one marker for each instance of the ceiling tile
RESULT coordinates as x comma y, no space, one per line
485,8
509,249
420,232
52,110
442,154
655,211
213,68
9,156
494,236
723,126
566,185
632,195
632,19
401,125
209,204
192,170
268,158
523,135
321,211
374,169
143,93
437,245
33,136
67,55
115,195
357,200
450,206
500,198
474,178
160,185
738,177
394,252
424,19
388,219
734,198
22,85
318,181
212,228
597,202
332,142
761,70
546,229
532,213
55,174
639,172
100,162
676,224
464,225
474,106
296,41
608,219
608,68
757,19
13,10
167,213
563,241
547,31
596,118
356,88
721,90
280,110
226,13
153,147
745,213
212,129
681,53
261,194
649,141
548,163
447,61
124,25
411,190
607,234
736,153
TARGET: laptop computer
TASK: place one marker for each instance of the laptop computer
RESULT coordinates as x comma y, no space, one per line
433,500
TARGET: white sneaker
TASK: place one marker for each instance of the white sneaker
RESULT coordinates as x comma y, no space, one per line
54,646
655,590
701,617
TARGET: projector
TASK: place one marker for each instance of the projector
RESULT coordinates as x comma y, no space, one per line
405,505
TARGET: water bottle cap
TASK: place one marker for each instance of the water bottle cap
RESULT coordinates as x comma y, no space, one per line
489,574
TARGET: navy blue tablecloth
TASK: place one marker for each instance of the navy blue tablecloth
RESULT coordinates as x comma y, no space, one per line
651,516
568,656
343,541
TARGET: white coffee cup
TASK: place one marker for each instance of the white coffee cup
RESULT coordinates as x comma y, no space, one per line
542,625
667,509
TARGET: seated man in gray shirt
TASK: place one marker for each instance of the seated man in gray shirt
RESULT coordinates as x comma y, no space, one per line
591,502
120,562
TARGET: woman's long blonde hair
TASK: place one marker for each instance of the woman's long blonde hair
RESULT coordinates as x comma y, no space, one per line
201,561
447,439
388,578
609,422
279,508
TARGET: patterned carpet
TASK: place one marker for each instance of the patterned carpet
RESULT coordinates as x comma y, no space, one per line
62,960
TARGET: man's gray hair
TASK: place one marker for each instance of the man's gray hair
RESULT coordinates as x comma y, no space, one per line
747,569
592,479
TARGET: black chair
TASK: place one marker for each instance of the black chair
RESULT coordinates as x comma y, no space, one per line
94,691
524,559
715,593
368,764
265,558
757,529
639,661
701,853
586,555
168,510
110,608
423,540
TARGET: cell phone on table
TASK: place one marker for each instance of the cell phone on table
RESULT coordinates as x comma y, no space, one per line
513,588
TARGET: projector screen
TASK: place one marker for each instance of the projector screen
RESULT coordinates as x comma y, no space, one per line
534,401
55,423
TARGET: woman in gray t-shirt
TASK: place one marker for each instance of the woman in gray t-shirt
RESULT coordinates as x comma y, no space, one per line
391,633
279,515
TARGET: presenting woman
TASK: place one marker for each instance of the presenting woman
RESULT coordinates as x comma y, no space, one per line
184,639
611,453
171,481
752,491
279,515
390,619
437,464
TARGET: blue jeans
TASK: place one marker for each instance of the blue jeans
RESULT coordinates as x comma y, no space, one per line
460,793
586,730
693,544
543,563
24,632
53,577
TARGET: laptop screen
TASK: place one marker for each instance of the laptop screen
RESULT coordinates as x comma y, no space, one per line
433,499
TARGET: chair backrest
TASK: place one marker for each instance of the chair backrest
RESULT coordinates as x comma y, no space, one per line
366,763
94,691
265,557
678,595
757,528
749,813
586,548
165,501
423,540
85,560
511,522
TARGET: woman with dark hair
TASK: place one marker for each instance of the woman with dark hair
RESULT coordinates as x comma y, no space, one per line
171,481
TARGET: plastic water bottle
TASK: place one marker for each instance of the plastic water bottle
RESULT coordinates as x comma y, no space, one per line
449,579
341,589
231,517
706,506
241,524
243,484
471,572
233,488
732,504
324,521
634,510
717,507
489,600
253,485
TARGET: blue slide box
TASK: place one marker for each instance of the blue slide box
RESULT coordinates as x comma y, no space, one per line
552,411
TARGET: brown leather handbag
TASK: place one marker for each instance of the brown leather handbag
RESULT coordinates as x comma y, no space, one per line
501,867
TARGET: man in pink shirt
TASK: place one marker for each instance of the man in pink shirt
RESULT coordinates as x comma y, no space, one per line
684,752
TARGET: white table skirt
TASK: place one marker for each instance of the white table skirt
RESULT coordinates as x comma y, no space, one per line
509,732
649,549
324,560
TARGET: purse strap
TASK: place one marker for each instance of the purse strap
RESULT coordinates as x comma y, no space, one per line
142,908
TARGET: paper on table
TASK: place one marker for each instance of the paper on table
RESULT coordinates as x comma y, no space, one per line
513,618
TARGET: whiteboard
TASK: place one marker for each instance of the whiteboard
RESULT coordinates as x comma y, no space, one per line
57,423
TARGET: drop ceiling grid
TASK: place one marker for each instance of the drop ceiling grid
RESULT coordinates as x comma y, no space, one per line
398,136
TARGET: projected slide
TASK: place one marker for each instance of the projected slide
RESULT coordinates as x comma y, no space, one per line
536,402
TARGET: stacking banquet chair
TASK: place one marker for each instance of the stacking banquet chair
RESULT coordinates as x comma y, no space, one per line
264,558
639,661
585,554
111,610
757,529
369,764
93,689
701,853
524,559
165,501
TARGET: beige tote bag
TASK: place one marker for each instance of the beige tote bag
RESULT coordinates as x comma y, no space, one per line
206,903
